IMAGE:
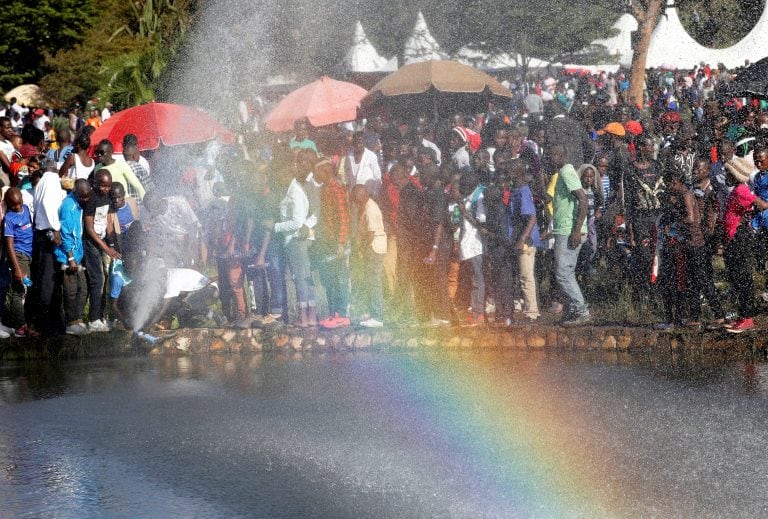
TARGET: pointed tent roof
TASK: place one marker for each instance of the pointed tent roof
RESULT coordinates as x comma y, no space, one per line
621,44
421,45
673,47
363,57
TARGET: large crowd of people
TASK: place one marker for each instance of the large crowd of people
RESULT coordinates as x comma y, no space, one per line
541,207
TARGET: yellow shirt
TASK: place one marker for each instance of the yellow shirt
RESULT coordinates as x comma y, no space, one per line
372,221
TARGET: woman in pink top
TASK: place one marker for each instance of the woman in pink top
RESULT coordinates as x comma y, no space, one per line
739,238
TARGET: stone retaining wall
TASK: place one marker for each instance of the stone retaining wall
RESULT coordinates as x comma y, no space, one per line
220,340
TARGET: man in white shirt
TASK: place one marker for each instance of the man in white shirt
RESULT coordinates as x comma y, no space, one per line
47,199
458,144
106,113
361,166
469,196
427,140
40,119
6,149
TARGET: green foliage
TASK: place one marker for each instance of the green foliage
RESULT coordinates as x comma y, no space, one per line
721,23
124,55
31,29
58,123
132,78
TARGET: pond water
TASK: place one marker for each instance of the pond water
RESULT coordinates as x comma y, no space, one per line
463,434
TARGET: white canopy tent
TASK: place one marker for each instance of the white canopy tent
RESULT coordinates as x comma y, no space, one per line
672,47
473,55
620,46
362,55
421,45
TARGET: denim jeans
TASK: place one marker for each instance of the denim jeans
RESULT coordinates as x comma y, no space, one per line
267,285
565,273
334,275
477,299
297,254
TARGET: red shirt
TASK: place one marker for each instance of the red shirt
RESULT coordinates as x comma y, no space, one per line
738,203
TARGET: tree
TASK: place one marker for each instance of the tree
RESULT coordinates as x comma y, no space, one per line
647,13
719,23
30,30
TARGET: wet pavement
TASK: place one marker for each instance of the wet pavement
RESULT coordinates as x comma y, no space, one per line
428,434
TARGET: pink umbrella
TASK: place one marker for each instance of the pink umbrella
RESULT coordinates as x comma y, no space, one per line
326,101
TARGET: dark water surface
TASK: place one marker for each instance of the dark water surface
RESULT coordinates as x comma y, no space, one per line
491,434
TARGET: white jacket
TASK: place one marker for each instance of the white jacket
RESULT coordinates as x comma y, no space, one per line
294,212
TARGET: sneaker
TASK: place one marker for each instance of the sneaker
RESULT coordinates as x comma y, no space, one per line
334,321
342,322
555,308
21,331
438,323
4,334
742,325
664,326
76,329
271,319
371,323
266,320
475,320
579,320
98,326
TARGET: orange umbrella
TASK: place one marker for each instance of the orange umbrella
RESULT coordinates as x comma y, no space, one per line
326,101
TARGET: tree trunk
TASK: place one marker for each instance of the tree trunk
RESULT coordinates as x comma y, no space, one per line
647,18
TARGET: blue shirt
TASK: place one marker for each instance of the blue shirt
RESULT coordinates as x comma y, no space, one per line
71,217
19,227
760,184
521,208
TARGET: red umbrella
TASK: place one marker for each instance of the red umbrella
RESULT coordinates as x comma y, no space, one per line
161,123
326,101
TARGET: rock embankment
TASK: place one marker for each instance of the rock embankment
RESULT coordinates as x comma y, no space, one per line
203,341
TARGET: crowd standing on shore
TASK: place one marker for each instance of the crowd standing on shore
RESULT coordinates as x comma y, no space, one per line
537,208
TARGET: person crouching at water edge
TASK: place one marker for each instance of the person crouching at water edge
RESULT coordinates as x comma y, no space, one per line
370,248
145,293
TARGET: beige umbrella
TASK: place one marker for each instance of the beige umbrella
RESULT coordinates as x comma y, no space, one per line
438,86
31,95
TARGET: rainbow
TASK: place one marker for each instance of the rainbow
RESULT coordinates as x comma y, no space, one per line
503,430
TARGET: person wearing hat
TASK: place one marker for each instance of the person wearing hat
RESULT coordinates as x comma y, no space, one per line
612,141
459,153
40,119
738,239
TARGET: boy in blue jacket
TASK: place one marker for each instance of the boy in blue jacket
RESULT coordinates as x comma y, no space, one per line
69,255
